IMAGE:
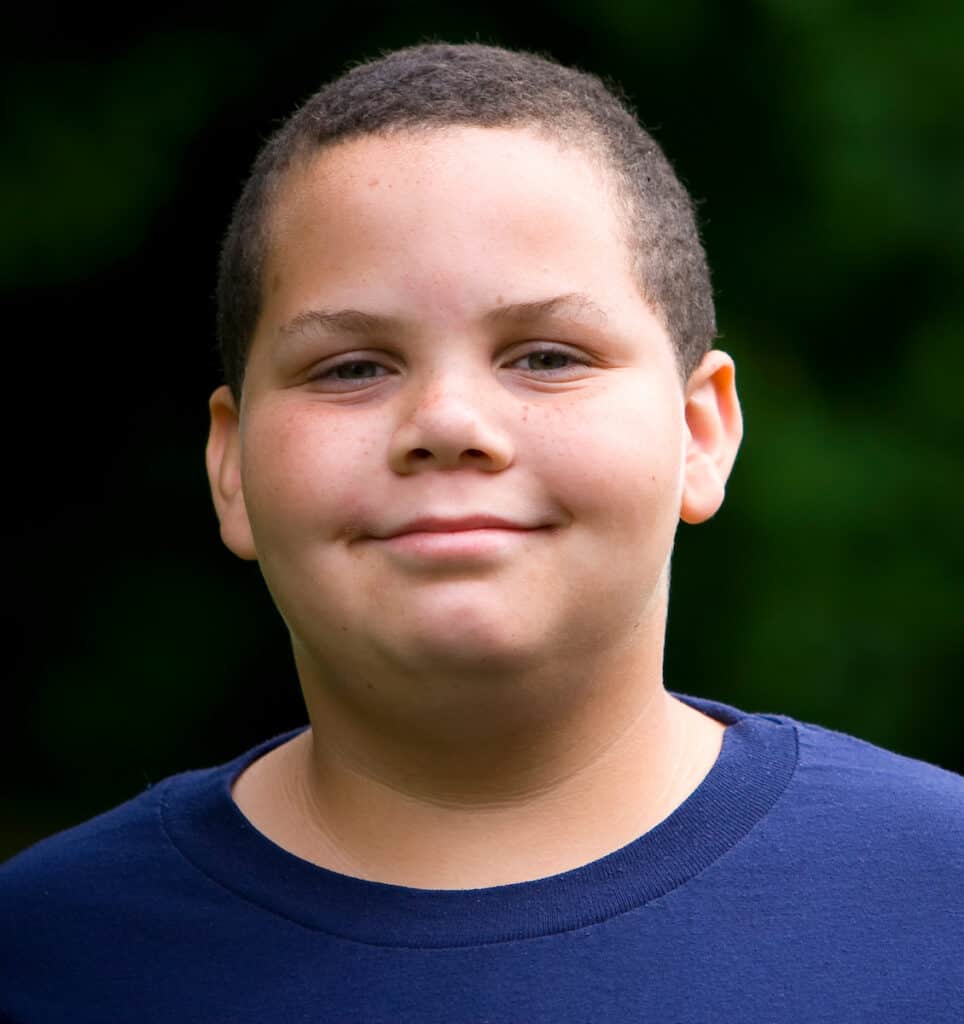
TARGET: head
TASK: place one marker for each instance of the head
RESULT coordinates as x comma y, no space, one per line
438,86
466,430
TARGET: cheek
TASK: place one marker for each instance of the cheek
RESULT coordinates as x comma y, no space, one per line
304,474
616,459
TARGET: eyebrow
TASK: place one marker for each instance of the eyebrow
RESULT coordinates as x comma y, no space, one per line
338,321
574,305
355,321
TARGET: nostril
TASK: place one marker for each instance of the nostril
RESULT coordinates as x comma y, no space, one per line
475,453
421,453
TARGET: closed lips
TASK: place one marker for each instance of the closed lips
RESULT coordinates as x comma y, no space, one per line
457,525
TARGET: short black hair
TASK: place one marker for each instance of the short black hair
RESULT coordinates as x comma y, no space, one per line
437,85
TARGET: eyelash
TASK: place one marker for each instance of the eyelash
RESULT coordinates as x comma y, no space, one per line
550,351
331,373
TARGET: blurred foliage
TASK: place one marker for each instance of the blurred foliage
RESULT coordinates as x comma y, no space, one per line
823,142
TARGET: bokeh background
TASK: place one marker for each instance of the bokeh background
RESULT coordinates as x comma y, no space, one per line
824,144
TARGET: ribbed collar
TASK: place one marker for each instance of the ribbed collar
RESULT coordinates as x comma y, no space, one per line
754,766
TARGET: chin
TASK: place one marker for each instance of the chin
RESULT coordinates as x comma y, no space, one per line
470,639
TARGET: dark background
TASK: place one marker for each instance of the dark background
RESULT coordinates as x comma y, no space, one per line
824,143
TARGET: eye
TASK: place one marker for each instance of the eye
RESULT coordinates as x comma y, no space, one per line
357,369
350,374
549,361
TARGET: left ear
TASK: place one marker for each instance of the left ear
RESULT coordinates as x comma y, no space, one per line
714,430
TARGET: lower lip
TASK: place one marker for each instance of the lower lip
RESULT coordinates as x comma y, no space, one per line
457,544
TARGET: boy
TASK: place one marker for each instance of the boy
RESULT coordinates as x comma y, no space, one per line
467,324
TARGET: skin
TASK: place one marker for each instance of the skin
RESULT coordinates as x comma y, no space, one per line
486,706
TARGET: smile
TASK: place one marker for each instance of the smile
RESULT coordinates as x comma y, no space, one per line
469,538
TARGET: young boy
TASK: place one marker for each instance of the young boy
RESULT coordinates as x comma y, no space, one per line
467,332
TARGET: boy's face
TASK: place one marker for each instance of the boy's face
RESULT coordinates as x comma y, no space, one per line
463,434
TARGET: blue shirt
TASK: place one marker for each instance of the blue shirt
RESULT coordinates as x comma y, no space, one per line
810,877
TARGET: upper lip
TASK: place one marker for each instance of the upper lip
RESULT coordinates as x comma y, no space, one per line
454,524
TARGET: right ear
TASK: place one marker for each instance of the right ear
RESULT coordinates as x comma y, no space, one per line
223,458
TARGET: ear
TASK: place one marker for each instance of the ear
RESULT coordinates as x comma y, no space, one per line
223,458
714,430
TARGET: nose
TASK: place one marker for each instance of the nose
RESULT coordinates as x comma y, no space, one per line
450,425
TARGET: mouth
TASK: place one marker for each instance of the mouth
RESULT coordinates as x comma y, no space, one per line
460,524
456,540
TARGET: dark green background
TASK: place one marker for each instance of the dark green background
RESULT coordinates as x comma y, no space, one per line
824,143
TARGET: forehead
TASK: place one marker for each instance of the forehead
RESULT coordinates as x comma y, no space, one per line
461,181
422,158
441,227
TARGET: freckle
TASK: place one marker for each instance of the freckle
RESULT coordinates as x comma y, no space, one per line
499,300
372,182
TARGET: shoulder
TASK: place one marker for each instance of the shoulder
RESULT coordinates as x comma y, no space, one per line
851,763
868,799
129,843
126,856
88,905
69,898
115,861
88,856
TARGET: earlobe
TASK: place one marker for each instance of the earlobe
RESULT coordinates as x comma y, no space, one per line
223,459
714,431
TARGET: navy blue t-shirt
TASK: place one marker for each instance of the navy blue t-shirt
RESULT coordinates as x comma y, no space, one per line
811,877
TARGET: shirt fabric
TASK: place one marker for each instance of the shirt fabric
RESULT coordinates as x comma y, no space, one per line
810,877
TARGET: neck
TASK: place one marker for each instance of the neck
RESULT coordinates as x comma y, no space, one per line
507,779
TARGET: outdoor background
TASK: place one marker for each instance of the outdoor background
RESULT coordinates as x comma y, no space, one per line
824,143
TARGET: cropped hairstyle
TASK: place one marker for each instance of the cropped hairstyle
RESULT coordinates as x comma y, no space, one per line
440,85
